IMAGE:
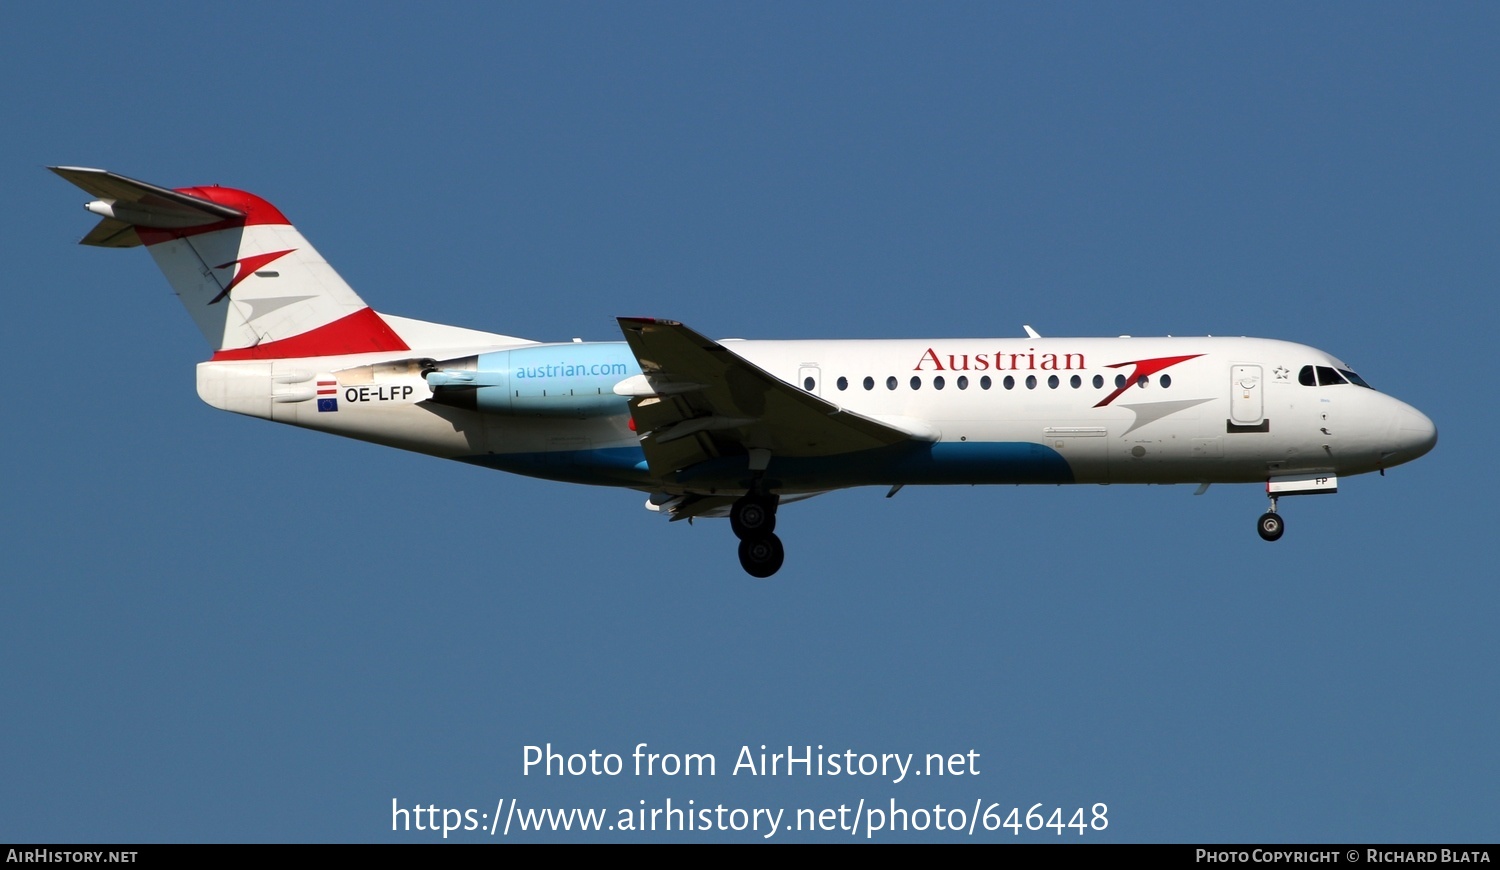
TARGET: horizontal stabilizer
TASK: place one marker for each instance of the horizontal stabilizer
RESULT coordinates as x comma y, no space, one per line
126,203
110,233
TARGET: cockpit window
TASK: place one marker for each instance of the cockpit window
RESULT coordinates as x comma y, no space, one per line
1327,377
1355,379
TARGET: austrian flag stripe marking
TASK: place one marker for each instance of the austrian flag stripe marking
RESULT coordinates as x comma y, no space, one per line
328,396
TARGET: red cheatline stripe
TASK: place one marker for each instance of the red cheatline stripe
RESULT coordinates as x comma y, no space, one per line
360,332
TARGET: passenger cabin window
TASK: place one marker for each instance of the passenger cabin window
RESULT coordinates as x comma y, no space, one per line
869,382
843,383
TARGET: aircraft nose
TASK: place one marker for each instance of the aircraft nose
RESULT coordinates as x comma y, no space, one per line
1415,434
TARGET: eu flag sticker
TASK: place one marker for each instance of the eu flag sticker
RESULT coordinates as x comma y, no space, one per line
328,405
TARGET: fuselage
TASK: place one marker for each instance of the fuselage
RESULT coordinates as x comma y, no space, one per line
1000,411
734,428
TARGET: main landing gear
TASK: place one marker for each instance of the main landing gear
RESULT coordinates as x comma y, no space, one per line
753,519
1270,524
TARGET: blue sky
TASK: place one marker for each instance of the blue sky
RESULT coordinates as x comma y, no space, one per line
216,629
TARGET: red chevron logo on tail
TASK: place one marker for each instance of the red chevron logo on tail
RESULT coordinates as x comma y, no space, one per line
247,267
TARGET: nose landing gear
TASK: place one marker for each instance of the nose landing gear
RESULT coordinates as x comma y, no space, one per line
1270,524
753,519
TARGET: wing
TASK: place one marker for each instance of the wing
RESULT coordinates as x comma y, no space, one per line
697,400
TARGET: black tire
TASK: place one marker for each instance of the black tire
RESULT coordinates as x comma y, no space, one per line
1270,526
762,556
752,517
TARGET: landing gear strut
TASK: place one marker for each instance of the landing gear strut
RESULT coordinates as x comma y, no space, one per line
1270,524
753,519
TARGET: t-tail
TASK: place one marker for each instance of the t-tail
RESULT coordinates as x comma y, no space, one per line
253,284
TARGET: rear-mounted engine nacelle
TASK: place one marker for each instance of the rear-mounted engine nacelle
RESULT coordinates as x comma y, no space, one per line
550,380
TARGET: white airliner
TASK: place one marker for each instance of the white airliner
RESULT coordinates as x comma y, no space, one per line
735,428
